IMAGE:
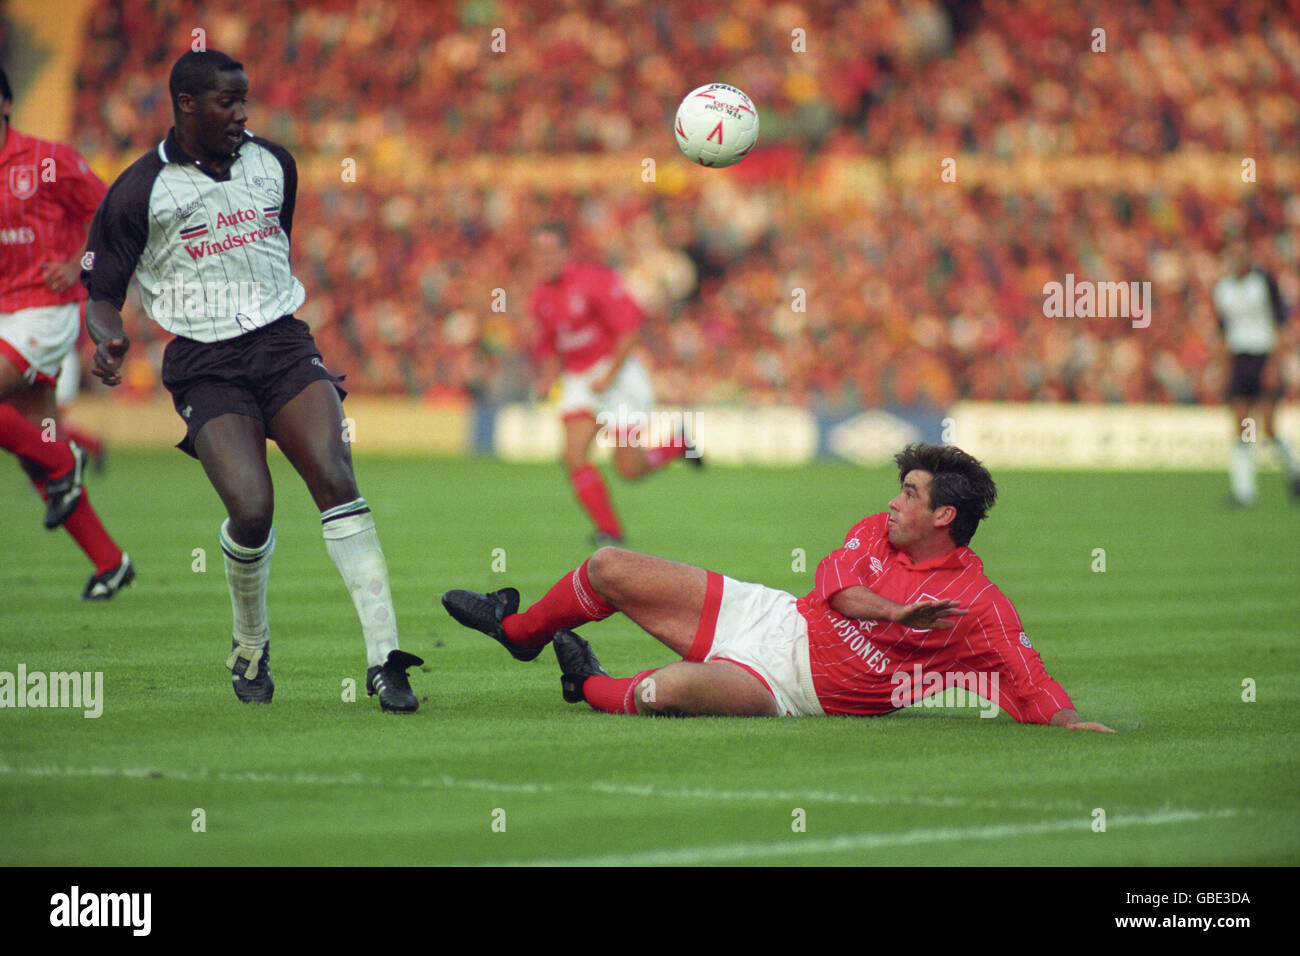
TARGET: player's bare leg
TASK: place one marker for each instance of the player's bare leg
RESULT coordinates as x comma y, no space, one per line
310,432
630,461
11,380
589,487
1290,461
633,459
232,450
580,430
706,689
665,598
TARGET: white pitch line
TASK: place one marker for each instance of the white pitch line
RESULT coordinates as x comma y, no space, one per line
800,846
445,782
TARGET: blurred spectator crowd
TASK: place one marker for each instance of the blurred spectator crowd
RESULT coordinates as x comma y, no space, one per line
758,285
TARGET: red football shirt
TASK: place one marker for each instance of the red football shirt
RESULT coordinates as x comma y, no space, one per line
582,315
866,667
48,195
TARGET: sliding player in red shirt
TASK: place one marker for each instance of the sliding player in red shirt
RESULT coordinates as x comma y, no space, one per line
901,607
586,327
47,199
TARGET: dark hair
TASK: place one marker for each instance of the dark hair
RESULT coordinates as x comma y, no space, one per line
957,479
5,92
196,72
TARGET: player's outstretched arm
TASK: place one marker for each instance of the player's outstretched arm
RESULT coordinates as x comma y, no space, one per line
104,325
1069,717
860,601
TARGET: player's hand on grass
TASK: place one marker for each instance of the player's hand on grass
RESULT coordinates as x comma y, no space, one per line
1090,725
929,614
108,359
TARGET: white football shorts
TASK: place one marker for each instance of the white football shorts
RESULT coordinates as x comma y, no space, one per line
629,394
762,628
36,340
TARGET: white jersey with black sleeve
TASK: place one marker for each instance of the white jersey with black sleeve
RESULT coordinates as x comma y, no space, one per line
211,254
1250,310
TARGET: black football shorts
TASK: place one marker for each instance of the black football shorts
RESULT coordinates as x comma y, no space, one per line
254,374
1247,377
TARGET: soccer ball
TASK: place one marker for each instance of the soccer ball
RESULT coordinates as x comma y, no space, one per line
716,125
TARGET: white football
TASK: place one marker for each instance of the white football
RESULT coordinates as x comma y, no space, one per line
716,125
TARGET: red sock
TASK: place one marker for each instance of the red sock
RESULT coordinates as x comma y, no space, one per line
571,601
87,440
592,494
613,695
661,455
86,529
24,439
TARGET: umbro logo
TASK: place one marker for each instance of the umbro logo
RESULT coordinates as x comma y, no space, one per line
877,566
187,411
318,363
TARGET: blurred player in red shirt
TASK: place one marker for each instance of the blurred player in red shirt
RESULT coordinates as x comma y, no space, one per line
898,613
47,198
587,325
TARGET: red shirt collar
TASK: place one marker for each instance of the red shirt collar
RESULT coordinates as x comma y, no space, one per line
957,559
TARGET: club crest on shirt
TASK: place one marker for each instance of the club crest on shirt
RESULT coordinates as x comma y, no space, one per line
22,181
1025,641
269,186
852,544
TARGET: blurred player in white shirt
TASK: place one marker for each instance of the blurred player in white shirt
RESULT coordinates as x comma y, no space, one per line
1251,313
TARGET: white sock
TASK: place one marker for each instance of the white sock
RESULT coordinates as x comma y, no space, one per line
247,571
1288,457
1241,472
353,546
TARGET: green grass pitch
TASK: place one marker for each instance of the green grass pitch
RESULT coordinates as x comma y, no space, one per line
1196,604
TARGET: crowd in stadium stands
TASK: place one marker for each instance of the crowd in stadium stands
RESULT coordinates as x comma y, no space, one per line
757,290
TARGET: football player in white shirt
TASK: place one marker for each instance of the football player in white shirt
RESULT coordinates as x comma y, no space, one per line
1251,314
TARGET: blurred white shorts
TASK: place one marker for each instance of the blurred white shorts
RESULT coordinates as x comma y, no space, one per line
36,340
760,628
